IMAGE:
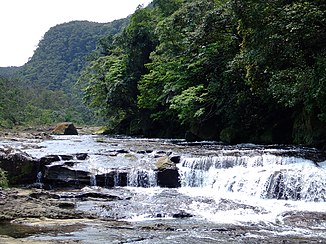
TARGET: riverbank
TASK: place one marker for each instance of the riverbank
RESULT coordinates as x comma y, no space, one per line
41,132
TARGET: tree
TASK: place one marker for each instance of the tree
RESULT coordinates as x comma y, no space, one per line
111,81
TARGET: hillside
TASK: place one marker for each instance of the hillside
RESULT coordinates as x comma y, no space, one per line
63,52
9,72
43,90
236,71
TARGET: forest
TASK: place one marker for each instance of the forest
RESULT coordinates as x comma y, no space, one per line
44,90
227,70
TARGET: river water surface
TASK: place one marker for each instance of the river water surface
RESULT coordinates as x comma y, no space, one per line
243,193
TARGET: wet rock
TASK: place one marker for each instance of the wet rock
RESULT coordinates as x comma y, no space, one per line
81,156
21,168
93,195
65,129
69,163
63,176
112,179
48,159
44,195
66,205
98,195
18,203
167,173
66,157
36,185
175,158
164,163
160,154
168,178
59,175
304,219
182,214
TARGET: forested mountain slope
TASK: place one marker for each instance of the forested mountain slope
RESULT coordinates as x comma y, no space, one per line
231,70
63,52
43,90
9,72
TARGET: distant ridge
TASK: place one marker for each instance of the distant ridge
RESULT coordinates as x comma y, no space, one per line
63,52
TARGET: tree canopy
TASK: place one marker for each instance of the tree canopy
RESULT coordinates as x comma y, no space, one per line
44,90
239,71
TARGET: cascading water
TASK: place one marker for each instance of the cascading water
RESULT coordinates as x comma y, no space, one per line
239,193
264,176
142,178
92,180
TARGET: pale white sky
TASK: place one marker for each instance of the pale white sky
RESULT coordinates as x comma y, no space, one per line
24,22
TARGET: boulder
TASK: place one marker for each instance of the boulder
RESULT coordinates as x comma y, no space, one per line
20,167
164,163
167,173
63,176
65,129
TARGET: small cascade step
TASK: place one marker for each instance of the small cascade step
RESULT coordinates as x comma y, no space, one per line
262,176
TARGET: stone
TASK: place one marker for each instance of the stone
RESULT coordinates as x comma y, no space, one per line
175,158
167,173
20,167
48,159
62,176
66,205
169,178
182,214
65,128
164,163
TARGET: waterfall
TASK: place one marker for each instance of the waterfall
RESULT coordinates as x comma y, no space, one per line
39,177
92,180
142,178
263,176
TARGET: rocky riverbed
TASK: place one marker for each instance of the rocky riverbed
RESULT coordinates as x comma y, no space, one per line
38,216
199,210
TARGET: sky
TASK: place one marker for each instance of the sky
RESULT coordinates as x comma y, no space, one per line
23,23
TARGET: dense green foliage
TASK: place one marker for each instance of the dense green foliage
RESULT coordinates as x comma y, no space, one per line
9,72
43,91
236,70
63,51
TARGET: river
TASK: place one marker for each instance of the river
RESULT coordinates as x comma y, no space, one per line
228,194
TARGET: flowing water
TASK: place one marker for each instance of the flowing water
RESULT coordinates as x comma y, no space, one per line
247,193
